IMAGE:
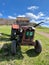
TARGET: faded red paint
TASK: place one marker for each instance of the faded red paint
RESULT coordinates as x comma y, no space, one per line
14,26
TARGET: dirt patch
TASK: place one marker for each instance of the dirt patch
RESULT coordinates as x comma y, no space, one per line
43,33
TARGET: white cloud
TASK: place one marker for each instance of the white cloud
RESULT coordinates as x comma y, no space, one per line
40,17
1,14
41,14
33,16
47,18
21,16
33,20
32,7
11,17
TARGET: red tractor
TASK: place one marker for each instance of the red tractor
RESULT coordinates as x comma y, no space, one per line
24,35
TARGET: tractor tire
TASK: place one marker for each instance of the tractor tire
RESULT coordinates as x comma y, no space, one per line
13,47
38,47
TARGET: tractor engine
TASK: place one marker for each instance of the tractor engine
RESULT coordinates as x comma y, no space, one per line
29,33
22,33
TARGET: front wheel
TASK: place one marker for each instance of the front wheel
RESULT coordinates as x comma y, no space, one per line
13,47
38,47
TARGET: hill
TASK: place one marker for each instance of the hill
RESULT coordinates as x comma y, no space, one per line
11,21
6,21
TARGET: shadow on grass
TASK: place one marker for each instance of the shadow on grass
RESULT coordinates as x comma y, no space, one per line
5,34
32,53
8,57
5,53
4,37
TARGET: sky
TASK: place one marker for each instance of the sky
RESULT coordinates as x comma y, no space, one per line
35,10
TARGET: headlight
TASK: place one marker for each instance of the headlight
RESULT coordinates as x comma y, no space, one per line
27,33
31,33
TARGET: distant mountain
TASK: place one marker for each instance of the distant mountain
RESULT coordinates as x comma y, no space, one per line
12,21
7,21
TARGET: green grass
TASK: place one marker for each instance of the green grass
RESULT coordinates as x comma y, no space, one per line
26,54
5,29
43,29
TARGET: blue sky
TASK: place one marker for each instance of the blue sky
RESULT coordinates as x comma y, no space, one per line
36,10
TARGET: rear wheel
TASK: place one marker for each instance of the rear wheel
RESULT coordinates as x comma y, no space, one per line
13,47
38,47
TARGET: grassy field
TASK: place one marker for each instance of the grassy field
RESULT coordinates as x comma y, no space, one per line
26,54
43,29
